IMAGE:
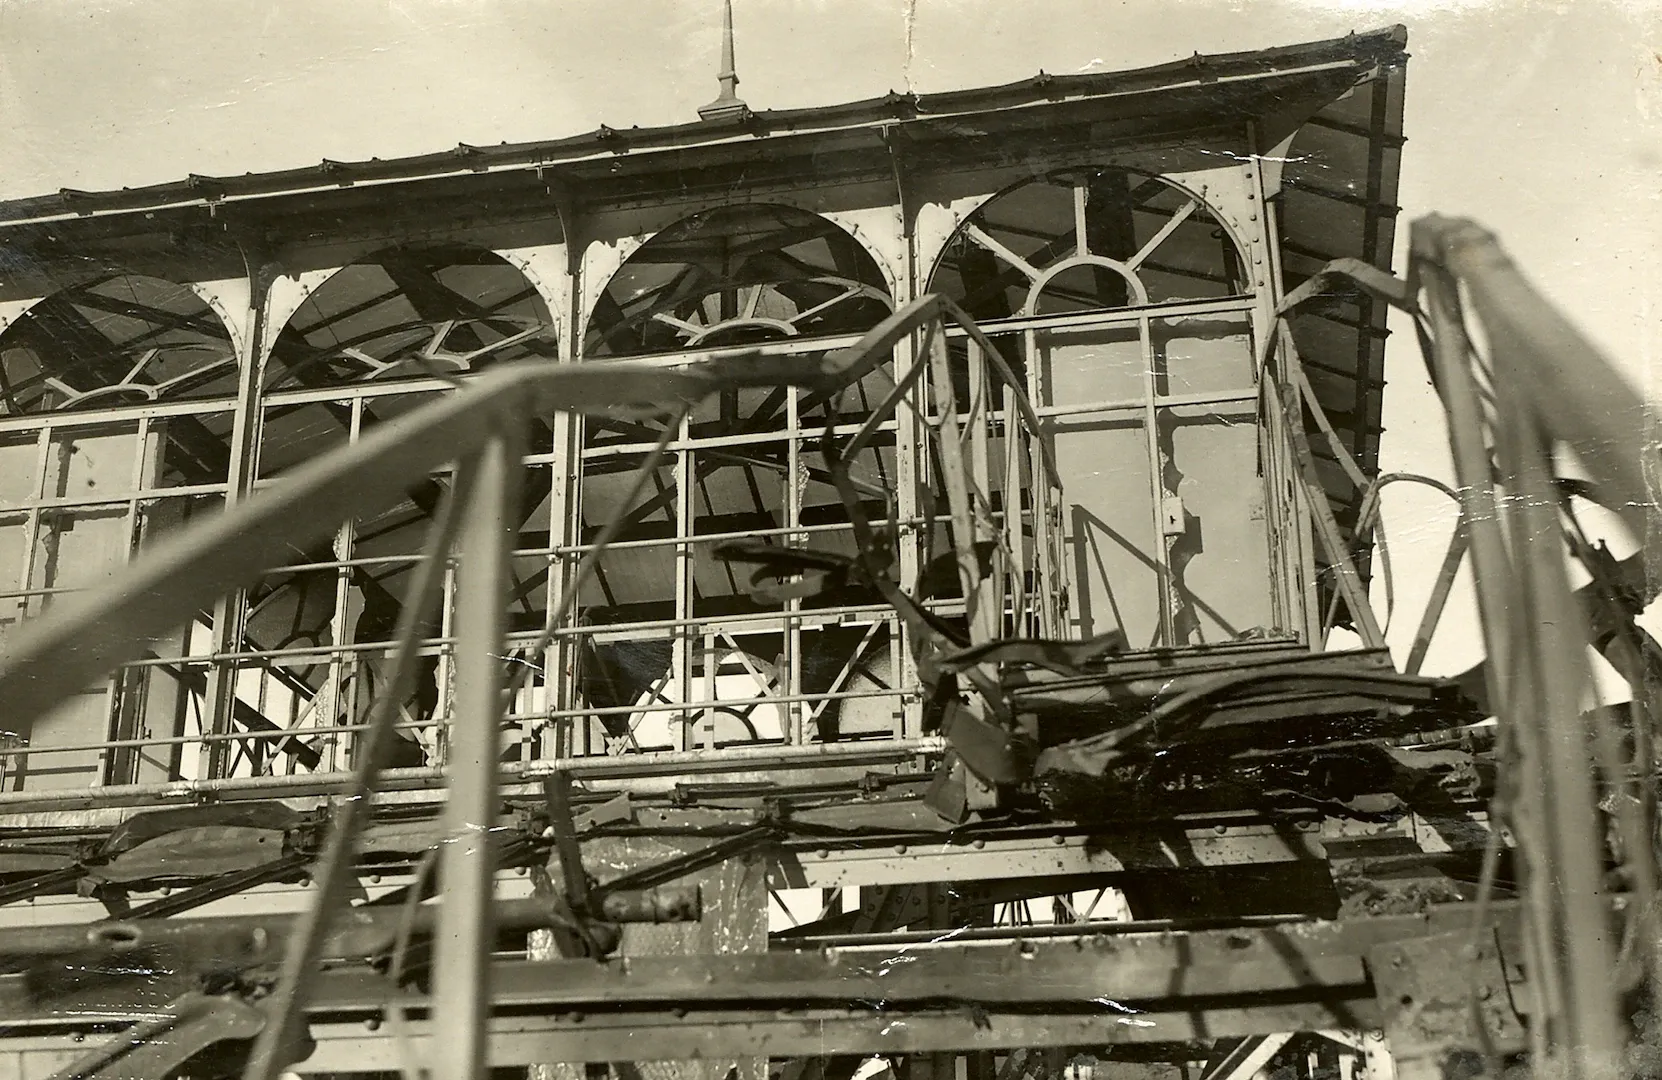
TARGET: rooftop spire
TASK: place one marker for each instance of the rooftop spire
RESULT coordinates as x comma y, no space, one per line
727,105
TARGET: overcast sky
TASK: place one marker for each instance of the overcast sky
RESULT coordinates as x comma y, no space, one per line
1542,120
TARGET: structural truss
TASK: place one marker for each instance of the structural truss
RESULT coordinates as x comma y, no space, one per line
798,586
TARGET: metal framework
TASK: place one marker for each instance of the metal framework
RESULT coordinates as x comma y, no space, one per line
926,545
665,650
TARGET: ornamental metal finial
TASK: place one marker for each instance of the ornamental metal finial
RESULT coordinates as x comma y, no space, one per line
727,105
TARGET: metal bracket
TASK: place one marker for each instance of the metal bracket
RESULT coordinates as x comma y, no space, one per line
616,810
948,792
1394,290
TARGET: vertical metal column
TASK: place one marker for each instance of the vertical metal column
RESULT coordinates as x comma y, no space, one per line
1050,525
1547,678
796,714
710,661
1020,583
559,661
229,612
38,522
1297,601
1292,557
1161,550
339,703
114,763
911,470
1536,674
982,622
467,931
685,631
565,498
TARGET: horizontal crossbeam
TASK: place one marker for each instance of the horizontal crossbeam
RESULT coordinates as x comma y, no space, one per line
1091,988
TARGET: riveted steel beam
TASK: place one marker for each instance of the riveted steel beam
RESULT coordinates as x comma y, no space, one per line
366,1045
911,860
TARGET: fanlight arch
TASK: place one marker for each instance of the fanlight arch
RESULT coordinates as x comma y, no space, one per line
412,311
735,275
739,275
1093,238
409,312
118,339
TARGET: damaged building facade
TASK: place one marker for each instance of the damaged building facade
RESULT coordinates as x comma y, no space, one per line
707,681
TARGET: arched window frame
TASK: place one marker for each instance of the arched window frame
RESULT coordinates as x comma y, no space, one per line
870,282
783,424
1069,249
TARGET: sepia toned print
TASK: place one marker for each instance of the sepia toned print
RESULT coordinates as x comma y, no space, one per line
1039,541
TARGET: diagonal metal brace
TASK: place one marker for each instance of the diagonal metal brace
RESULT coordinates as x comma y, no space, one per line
670,870
571,903
220,887
158,1046
556,790
41,883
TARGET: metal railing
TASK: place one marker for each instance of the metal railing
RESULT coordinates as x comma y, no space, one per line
988,470
1518,384
54,657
